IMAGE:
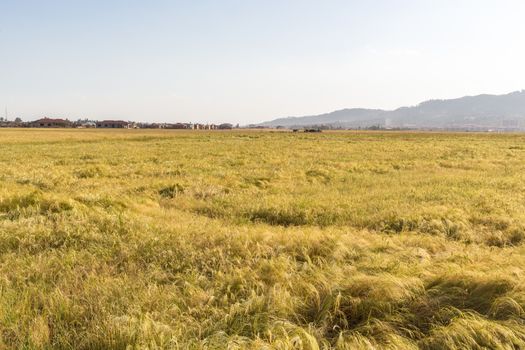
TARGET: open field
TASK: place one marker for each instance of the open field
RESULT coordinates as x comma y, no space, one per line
261,240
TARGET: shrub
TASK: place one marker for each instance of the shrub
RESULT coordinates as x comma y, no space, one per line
171,191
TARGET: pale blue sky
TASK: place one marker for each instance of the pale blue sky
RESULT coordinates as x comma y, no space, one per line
247,61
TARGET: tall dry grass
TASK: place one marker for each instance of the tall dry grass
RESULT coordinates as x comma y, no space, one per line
259,240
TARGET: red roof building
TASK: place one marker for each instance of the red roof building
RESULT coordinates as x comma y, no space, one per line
51,123
113,124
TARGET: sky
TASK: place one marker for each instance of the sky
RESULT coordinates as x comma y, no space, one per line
247,61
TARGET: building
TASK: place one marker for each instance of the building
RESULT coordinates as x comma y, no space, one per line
113,124
51,123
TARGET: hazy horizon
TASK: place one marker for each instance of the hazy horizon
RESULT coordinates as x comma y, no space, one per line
246,62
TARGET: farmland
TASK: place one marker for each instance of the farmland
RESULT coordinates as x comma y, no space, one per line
243,239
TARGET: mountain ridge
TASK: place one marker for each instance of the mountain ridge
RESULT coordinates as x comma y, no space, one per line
484,111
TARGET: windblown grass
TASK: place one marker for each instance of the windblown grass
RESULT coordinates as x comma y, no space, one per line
250,240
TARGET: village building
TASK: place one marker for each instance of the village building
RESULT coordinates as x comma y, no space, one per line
113,124
51,123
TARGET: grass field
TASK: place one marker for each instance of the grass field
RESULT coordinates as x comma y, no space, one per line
261,240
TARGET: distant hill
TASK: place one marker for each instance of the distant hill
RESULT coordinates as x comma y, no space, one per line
483,112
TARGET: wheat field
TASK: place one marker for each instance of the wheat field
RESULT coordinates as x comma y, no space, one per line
158,239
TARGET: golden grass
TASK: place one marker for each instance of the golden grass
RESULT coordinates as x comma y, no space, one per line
261,240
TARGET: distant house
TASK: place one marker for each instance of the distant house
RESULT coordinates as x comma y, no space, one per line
51,123
113,124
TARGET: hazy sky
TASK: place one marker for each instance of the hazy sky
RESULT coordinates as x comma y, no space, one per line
247,61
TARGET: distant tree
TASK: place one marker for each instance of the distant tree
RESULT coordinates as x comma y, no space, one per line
18,120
